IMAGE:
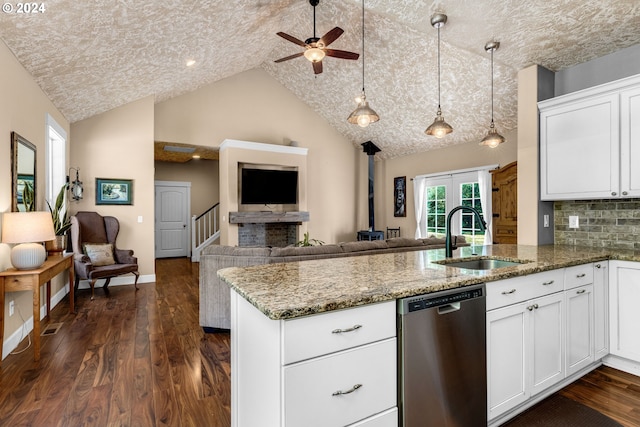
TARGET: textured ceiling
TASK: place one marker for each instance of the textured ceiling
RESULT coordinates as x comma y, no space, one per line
90,57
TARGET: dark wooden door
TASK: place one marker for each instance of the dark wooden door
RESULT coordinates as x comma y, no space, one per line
505,203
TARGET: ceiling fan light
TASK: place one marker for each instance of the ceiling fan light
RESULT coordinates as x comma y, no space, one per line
439,128
314,54
493,138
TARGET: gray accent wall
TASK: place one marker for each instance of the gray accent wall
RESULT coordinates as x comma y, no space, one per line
615,66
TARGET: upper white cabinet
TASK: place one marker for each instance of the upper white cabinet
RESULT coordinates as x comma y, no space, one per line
630,142
589,142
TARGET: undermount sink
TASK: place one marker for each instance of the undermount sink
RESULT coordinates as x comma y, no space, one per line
480,263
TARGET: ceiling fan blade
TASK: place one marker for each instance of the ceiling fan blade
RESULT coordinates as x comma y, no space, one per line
286,58
342,54
292,39
317,67
331,36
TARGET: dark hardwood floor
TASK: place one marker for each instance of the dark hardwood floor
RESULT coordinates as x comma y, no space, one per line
141,359
126,359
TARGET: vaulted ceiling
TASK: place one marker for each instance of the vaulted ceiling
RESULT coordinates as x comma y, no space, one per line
89,57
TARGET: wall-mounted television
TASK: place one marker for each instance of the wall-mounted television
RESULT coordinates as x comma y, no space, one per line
268,187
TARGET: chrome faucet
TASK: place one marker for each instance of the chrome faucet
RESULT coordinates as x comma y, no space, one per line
449,246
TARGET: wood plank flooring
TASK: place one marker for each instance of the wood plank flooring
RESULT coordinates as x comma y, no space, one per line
141,359
125,359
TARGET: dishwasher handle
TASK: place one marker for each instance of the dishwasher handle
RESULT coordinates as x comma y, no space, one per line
449,308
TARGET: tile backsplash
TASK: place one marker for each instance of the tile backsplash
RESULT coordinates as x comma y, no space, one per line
602,223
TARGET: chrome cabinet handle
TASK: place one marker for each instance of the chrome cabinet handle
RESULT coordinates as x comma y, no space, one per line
535,306
614,193
580,276
351,329
532,307
508,292
624,193
550,282
598,266
581,291
351,390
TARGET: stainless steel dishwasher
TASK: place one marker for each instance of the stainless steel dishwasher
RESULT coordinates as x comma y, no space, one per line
442,359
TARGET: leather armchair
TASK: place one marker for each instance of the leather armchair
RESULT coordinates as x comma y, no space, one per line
91,227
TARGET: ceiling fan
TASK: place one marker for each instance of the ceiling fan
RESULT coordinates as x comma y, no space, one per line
316,48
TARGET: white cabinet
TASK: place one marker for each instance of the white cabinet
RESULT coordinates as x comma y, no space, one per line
586,302
330,369
601,309
630,142
624,306
525,340
580,324
589,142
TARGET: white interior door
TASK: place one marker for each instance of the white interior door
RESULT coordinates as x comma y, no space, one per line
172,211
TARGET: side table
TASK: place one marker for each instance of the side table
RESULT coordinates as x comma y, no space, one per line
12,280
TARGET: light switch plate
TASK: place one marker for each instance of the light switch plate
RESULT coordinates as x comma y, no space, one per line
573,221
545,220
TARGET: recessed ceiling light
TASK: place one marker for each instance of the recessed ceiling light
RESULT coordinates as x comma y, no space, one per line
191,62
195,156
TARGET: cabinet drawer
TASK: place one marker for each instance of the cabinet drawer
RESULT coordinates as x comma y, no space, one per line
366,377
510,291
325,333
578,275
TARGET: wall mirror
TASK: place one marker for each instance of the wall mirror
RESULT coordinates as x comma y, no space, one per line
23,174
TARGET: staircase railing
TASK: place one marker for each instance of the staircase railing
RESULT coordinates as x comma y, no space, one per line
205,229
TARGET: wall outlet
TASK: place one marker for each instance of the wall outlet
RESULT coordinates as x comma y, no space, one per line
545,220
573,222
11,307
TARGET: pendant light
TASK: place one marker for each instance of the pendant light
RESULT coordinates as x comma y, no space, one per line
363,115
439,128
493,138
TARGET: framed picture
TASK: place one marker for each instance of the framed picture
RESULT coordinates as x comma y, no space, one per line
399,196
114,191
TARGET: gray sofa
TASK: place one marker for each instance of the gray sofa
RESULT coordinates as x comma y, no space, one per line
215,295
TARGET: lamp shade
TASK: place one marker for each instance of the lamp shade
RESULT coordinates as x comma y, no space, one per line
28,229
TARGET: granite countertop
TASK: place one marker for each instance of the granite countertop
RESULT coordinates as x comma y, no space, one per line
294,289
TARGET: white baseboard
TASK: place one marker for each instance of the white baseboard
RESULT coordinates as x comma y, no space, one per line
12,342
622,364
119,281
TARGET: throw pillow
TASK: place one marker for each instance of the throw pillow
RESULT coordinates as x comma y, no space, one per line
99,253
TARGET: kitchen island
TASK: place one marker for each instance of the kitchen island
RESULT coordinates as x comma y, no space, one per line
281,311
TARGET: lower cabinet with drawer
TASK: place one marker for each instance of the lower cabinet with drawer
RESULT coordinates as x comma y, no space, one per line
331,369
525,345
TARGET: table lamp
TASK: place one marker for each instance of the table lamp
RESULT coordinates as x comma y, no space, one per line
28,230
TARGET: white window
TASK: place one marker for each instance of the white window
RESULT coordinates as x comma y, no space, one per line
56,163
443,192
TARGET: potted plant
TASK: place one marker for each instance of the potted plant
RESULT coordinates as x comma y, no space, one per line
61,222
309,242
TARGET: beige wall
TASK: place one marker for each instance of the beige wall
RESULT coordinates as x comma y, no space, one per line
461,156
119,144
228,109
23,109
203,176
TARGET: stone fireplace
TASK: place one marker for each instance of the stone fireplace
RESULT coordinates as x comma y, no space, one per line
277,235
277,229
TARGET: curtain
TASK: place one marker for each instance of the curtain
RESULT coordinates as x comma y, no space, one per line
419,186
484,184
